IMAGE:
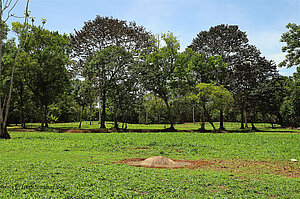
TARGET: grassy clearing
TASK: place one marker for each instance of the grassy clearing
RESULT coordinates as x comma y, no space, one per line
53,165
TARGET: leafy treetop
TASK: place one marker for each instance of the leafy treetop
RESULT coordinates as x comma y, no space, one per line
292,40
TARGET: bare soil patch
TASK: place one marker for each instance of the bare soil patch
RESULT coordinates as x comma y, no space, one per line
285,169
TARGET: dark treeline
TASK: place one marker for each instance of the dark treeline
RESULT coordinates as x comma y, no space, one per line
112,70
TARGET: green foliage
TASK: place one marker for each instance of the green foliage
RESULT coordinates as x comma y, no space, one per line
123,63
292,40
207,69
83,92
43,64
290,108
9,51
165,71
52,118
109,70
211,97
155,109
215,96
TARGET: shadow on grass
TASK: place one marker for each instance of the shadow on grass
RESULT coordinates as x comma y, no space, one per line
113,130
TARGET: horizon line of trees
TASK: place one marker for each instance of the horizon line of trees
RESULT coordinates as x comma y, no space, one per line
118,71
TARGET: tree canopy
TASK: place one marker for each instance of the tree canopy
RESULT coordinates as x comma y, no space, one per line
135,77
291,38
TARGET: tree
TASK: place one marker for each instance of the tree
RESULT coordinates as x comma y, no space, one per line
6,7
44,68
269,96
290,108
249,72
210,97
292,40
105,70
122,97
225,41
102,33
164,71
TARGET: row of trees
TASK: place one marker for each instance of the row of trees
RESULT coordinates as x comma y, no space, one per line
134,77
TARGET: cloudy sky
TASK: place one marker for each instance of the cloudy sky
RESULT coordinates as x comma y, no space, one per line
263,20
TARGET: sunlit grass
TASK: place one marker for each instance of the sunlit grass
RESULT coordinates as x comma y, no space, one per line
65,165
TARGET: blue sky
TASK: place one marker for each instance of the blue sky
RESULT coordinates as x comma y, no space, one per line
263,20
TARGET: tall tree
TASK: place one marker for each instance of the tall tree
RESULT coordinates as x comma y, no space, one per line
6,7
268,97
225,41
290,108
250,70
292,40
108,68
122,97
102,32
164,71
45,69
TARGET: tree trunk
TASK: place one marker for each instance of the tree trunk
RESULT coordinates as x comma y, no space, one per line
270,120
202,128
42,117
194,114
170,115
103,114
242,118
146,119
208,117
139,114
4,133
99,111
116,126
212,124
222,128
246,122
4,111
45,116
22,120
253,119
80,117
253,127
91,109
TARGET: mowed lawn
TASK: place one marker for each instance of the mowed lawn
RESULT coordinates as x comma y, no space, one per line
65,165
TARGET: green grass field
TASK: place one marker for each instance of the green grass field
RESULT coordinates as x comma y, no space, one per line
65,165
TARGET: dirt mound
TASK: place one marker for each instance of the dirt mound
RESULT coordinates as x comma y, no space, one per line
163,162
